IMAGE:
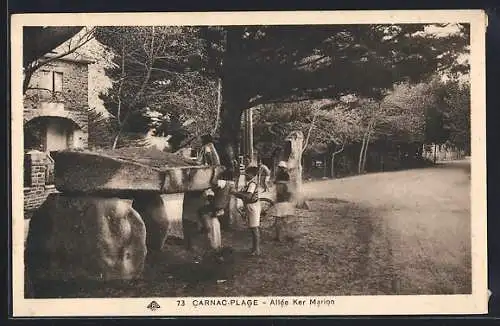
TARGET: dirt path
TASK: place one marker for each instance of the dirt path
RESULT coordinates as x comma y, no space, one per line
402,232
426,217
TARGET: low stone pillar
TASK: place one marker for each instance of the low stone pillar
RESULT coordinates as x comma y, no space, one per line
85,237
35,192
293,157
174,204
162,215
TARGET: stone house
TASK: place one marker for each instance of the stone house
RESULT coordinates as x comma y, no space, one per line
55,118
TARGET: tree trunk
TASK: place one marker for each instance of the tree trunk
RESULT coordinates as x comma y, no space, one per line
325,163
234,102
366,141
332,166
118,112
311,126
363,165
333,161
219,103
360,161
231,112
249,134
115,140
28,73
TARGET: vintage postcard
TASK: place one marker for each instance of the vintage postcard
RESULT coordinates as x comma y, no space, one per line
249,163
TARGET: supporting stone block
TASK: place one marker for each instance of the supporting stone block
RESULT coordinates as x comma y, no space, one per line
162,215
85,237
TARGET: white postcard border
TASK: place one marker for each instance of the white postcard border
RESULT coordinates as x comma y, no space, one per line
476,303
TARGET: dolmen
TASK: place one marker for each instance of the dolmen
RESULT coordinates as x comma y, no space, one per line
111,208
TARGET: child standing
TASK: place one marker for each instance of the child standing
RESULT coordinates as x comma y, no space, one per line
264,176
210,222
284,206
250,197
222,195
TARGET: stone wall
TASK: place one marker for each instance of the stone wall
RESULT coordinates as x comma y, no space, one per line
79,118
70,103
74,86
36,190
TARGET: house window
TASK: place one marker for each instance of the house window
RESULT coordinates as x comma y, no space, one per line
51,81
57,81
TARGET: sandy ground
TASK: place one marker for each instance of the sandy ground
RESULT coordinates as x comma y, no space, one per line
404,232
425,215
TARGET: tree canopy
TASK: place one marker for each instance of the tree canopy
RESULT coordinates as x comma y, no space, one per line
265,64
433,112
175,68
288,63
154,85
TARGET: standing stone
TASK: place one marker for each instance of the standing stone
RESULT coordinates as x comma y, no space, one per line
150,207
162,215
233,212
173,204
293,157
192,204
85,237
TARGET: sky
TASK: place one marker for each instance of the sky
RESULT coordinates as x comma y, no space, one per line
442,31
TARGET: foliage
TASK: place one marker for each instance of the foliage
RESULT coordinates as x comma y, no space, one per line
332,123
163,68
403,112
277,64
409,113
445,106
265,64
154,85
456,114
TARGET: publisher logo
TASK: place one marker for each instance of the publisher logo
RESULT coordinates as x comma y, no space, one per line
153,306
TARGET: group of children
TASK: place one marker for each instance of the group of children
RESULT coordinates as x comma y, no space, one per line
217,200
